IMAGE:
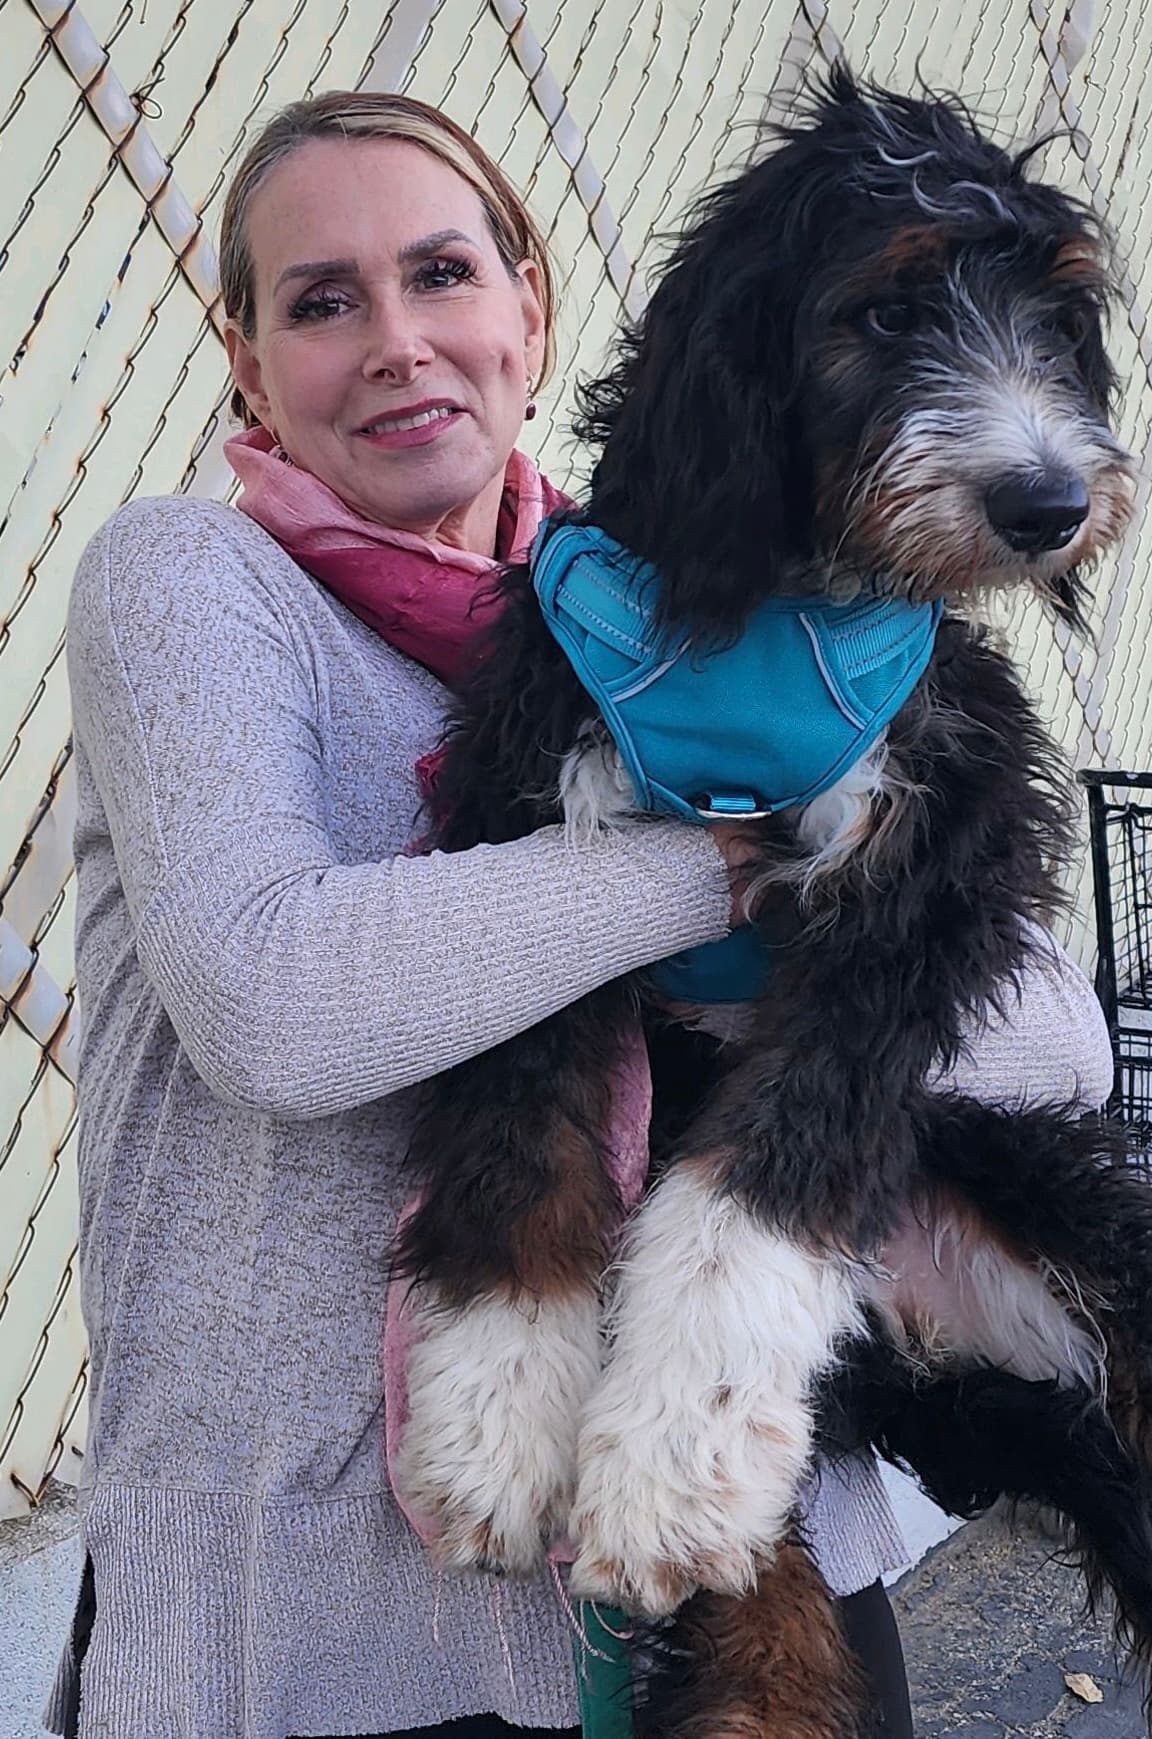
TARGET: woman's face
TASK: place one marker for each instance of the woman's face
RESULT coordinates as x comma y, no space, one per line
393,348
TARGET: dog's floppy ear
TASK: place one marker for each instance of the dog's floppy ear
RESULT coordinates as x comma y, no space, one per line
704,469
1096,370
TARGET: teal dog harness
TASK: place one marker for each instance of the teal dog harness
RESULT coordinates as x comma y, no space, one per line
736,731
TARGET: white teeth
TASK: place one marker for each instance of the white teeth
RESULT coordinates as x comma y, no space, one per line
389,425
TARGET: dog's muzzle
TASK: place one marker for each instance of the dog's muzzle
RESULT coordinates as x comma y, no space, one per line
1033,513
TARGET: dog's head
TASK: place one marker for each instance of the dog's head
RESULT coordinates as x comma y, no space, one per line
876,359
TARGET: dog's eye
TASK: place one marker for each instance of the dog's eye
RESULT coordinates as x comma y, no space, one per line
891,319
1073,322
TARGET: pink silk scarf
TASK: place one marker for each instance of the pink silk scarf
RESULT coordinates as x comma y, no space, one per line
426,599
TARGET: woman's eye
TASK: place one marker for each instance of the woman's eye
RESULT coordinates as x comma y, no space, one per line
442,274
891,319
318,305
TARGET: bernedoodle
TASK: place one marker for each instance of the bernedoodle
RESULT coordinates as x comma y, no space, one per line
869,392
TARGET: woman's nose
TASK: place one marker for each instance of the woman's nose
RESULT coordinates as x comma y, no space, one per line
395,347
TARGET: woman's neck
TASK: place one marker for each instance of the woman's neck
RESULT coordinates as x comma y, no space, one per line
473,528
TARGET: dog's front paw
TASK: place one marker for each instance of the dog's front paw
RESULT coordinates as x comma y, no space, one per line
694,1445
487,1456
698,1504
631,1556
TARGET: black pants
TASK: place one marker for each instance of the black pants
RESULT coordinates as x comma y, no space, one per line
869,1624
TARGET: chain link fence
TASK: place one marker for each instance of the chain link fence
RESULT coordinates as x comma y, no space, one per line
120,122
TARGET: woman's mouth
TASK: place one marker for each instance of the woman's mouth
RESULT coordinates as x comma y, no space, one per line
411,428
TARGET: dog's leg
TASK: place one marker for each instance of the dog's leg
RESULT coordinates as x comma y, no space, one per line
694,1444
494,1391
506,1252
742,1273
974,1436
1057,1187
950,1287
773,1664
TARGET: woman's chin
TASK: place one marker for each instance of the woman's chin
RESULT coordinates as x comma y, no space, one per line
430,490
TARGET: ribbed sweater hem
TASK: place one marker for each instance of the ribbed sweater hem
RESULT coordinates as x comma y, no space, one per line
215,1617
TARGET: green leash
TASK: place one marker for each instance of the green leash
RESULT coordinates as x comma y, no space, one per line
603,1678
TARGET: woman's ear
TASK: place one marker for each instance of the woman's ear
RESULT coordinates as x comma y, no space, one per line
245,367
532,309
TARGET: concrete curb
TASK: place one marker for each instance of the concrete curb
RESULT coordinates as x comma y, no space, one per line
991,1621
39,1578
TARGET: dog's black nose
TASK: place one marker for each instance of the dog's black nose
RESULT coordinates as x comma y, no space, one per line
1038,512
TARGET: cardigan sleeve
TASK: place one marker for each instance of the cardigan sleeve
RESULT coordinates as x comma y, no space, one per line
1050,1043
298,984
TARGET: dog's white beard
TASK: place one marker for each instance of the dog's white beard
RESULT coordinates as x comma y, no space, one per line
694,1444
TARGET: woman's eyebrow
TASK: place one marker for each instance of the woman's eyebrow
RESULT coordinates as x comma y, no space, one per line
423,249
432,244
317,269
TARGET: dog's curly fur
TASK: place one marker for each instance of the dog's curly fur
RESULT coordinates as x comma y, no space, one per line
869,359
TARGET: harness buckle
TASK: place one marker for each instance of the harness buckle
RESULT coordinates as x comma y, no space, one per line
722,806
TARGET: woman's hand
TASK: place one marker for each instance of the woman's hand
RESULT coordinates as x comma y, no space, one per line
743,851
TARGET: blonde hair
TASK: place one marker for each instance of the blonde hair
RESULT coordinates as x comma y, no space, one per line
352,115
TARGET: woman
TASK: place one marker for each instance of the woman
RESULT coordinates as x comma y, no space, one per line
267,970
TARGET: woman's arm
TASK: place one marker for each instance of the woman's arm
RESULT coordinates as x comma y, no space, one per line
1051,1044
300,985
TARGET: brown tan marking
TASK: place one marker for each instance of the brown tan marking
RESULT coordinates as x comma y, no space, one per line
1078,262
772,1665
919,248
564,1242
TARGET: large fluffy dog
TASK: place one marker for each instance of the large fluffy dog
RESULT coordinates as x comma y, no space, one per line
873,366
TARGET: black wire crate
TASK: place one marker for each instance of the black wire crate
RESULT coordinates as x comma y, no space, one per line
1120,816
1132,1098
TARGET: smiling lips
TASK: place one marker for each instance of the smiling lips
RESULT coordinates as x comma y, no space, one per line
412,428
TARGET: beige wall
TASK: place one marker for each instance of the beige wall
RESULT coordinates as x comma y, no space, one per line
610,113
